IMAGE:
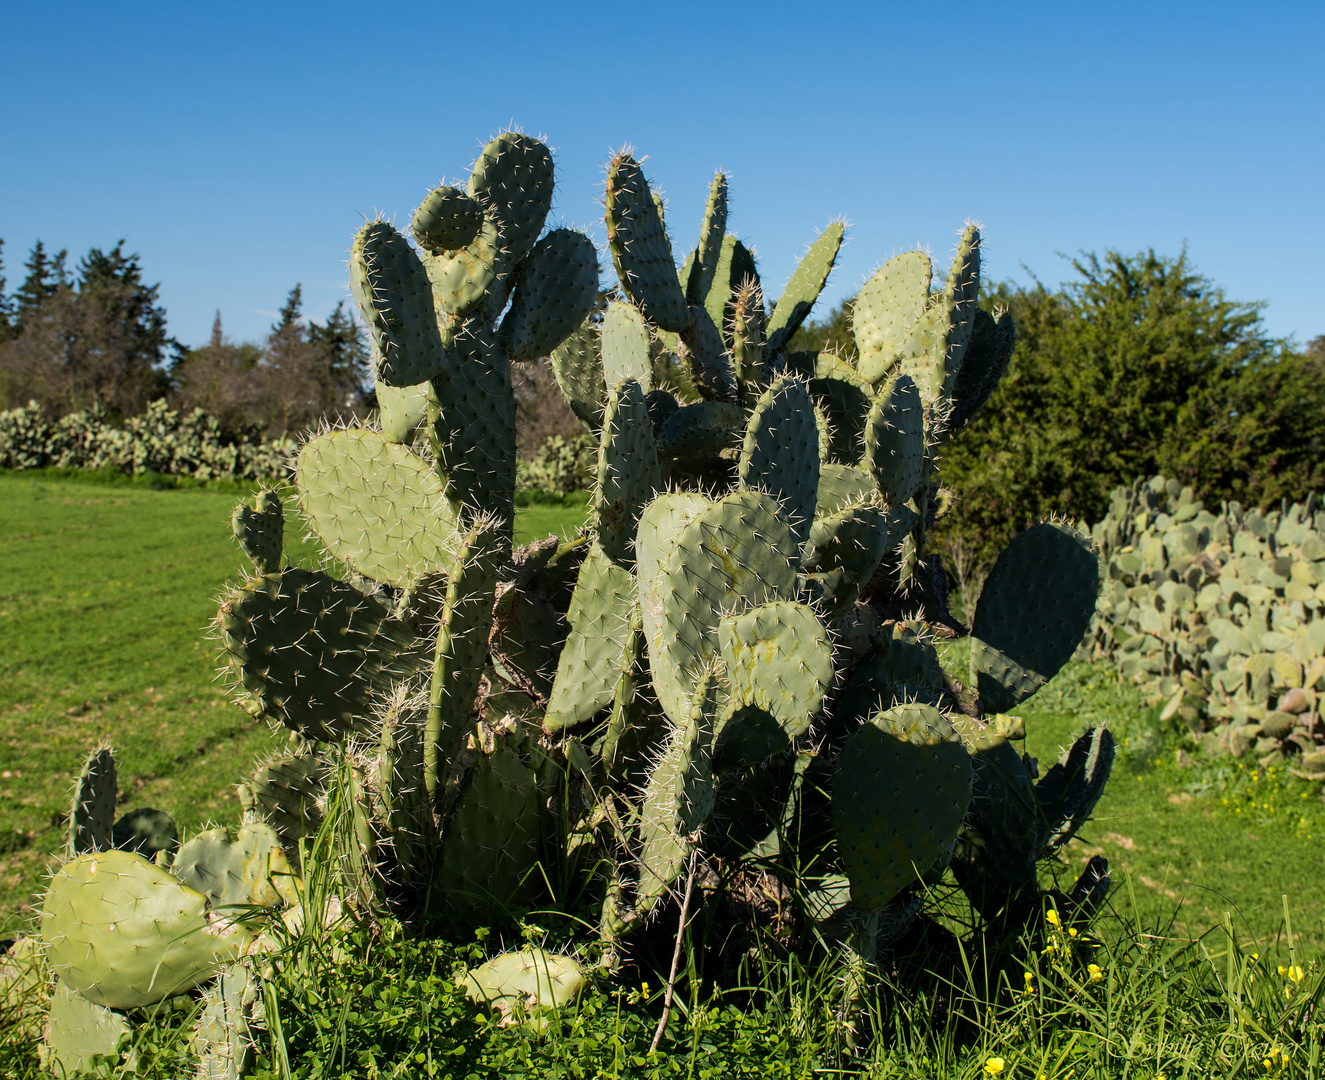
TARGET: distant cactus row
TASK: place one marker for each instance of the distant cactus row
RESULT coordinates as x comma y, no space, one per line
1220,615
161,440
734,668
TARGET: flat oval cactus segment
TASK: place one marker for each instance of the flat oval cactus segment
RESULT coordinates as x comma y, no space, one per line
447,219
310,651
625,346
260,531
734,554
145,832
554,290
704,263
600,617
92,813
578,368
780,455
375,504
531,979
640,248
1035,608
77,1030
900,791
706,358
807,282
628,471
124,933
391,287
779,663
895,440
1068,792
846,404
513,180
888,317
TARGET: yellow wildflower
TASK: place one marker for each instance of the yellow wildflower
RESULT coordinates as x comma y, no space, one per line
1071,931
1051,917
994,1066
1096,972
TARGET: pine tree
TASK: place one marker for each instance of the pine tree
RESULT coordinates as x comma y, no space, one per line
341,340
6,301
217,339
291,314
45,277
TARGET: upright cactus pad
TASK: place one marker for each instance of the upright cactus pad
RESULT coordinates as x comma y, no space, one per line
447,219
625,347
309,651
889,316
1035,608
237,869
628,471
391,288
288,792
512,180
1068,792
578,369
793,307
260,531
554,289
900,791
640,248
125,934
78,1029
781,453
704,264
895,440
92,814
377,505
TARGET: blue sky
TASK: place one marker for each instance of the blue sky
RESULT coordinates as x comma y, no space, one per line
238,147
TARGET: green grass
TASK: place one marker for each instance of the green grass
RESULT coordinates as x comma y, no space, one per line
106,594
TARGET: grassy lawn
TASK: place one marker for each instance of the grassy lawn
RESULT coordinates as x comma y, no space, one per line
106,594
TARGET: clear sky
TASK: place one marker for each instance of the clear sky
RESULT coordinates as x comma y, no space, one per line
237,147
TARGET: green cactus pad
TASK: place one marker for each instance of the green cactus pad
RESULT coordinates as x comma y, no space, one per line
465,279
701,429
530,979
961,298
640,248
625,346
895,440
309,650
125,934
601,610
733,554
92,813
628,472
260,531
678,798
391,288
375,504
845,550
734,269
888,318
1002,834
402,410
513,180
841,486
462,646
447,219
406,811
900,791
780,455
222,1037
793,306
706,358
244,868
779,662
986,359
846,404
1068,792
145,832
78,1030
747,333
474,429
491,849
1034,610
287,793
578,369
554,289
704,266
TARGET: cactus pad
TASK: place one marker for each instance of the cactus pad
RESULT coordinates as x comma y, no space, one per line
145,832
1068,792
125,934
640,248
92,814
625,346
530,979
781,453
895,440
260,531
554,289
706,357
375,504
807,282
288,794
391,288
447,219
512,180
578,369
78,1029
1036,606
628,471
248,868
309,650
900,791
888,318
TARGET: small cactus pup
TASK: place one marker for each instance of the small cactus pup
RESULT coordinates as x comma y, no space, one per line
522,985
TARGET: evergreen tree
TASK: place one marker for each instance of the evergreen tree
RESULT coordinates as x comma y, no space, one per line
6,301
45,277
291,315
341,340
217,338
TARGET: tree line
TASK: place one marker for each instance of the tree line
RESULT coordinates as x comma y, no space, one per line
95,336
1137,365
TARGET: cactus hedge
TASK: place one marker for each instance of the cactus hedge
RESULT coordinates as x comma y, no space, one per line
734,667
